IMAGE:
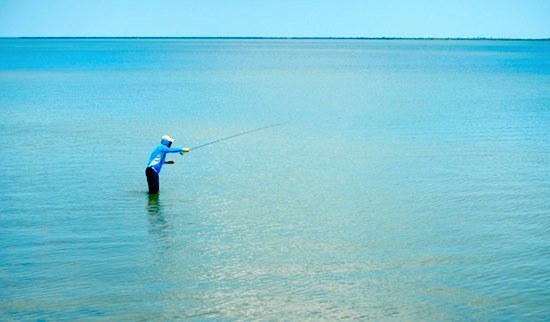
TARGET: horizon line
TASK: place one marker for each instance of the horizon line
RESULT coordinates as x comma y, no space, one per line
271,37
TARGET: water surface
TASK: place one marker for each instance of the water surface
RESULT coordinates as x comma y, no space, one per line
409,180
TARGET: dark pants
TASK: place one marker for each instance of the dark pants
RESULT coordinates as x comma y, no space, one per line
152,180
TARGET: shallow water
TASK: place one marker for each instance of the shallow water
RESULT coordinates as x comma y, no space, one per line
408,180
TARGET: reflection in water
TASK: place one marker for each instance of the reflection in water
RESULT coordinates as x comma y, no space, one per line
159,225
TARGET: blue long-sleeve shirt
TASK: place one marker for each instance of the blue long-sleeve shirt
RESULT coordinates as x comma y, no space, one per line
158,156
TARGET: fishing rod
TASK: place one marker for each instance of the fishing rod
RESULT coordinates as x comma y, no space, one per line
234,135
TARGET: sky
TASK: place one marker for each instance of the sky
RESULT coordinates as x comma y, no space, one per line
276,18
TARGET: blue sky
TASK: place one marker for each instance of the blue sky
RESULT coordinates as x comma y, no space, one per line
277,18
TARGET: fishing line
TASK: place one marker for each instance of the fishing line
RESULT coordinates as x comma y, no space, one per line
235,135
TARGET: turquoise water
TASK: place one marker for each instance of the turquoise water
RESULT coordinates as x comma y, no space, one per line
408,180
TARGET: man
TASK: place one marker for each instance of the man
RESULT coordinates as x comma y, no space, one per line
157,160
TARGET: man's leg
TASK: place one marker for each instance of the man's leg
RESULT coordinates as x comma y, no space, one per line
152,180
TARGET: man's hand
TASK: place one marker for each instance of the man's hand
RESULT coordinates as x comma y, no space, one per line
185,150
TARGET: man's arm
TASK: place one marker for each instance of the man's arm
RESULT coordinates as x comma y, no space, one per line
166,149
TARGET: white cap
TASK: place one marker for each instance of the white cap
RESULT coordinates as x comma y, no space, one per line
167,138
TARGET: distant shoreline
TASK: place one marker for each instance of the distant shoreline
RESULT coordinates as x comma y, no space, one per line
291,38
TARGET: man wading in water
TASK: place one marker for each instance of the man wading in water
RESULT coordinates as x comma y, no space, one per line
157,160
